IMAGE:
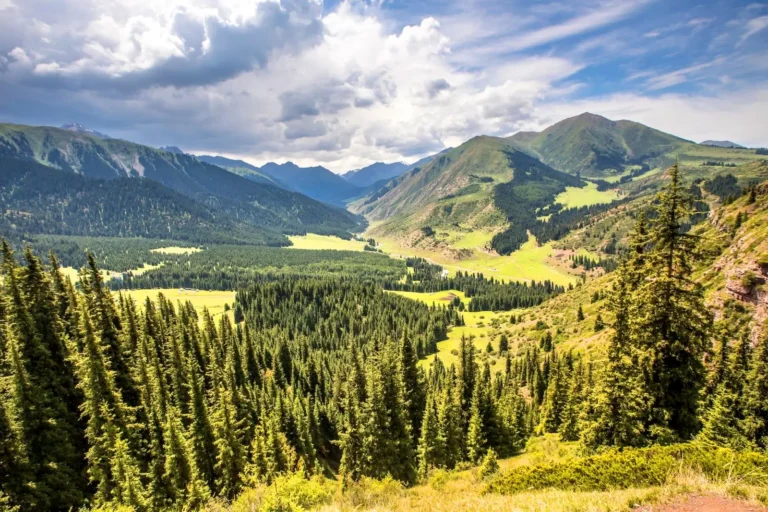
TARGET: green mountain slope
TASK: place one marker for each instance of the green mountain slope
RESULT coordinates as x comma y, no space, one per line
262,204
35,199
593,145
468,170
486,184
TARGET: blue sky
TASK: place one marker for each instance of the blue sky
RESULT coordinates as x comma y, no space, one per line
343,84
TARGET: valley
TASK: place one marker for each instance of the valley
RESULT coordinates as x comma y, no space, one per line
465,313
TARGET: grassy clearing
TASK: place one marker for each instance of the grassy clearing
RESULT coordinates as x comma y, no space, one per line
177,250
532,262
484,326
321,242
73,273
442,298
574,197
200,299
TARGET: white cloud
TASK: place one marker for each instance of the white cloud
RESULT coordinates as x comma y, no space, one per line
754,26
287,81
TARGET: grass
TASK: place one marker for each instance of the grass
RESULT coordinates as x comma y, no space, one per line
466,253
74,275
200,299
575,197
321,242
177,250
429,298
484,326
446,490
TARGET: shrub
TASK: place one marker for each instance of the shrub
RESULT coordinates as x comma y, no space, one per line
643,467
287,494
490,464
749,280
371,493
439,477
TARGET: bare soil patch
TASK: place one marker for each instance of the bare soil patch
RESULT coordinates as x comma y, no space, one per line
705,504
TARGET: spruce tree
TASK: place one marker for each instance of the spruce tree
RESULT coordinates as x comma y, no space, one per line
755,423
475,432
674,324
429,450
43,385
721,425
619,406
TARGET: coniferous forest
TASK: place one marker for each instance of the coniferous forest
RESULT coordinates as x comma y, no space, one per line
156,406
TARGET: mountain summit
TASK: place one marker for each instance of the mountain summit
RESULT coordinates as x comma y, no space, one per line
594,145
78,128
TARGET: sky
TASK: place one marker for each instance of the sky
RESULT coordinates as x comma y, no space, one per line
346,83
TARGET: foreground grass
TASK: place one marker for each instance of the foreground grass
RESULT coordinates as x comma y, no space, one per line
322,242
467,490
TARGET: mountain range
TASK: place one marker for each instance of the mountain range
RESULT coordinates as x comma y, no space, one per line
375,172
37,199
509,186
262,204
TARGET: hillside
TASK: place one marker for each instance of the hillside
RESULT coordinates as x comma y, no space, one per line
35,199
378,171
593,145
265,205
316,182
479,189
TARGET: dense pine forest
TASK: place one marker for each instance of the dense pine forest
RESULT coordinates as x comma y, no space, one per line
157,406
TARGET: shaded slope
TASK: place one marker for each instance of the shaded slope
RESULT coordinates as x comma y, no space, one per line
35,199
241,168
316,182
262,204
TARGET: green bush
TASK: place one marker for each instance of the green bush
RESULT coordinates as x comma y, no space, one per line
290,493
749,280
643,467
490,464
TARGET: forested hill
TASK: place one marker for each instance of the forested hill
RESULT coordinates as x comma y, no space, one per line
259,203
35,199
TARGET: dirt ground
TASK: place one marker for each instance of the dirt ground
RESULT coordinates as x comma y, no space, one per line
705,504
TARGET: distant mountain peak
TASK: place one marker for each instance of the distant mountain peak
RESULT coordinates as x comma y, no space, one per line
172,149
375,172
78,128
721,144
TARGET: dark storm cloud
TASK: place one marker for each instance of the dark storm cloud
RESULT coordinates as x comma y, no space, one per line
329,98
231,50
435,87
